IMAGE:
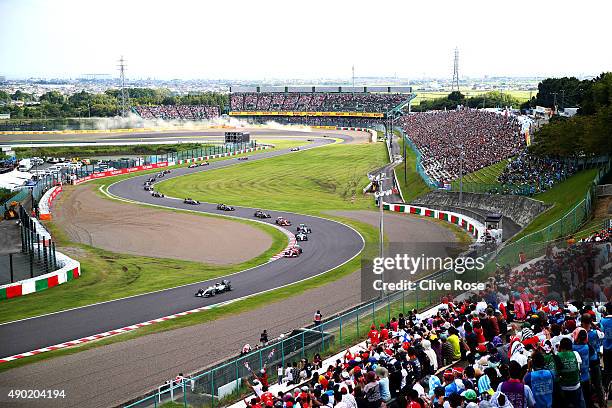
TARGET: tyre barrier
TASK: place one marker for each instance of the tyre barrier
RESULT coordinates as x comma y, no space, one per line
475,228
44,206
70,270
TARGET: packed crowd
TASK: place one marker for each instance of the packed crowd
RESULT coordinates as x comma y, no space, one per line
537,174
603,235
483,137
319,121
181,112
514,345
316,102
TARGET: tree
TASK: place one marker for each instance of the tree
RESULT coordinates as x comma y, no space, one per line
52,97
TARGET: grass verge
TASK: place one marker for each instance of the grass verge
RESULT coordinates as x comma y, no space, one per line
329,178
563,197
411,184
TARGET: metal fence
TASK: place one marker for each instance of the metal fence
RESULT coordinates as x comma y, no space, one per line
419,162
207,150
63,175
37,256
534,244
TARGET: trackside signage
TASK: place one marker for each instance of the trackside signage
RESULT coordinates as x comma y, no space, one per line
111,173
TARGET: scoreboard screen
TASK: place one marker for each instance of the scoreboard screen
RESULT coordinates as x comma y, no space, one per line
237,137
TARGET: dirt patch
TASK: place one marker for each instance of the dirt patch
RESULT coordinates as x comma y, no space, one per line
357,136
87,218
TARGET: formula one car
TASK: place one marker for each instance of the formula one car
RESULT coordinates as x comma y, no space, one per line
160,175
192,166
157,194
292,252
204,164
261,214
301,236
223,286
304,228
148,188
224,207
283,222
166,171
243,158
208,292
295,149
151,180
191,201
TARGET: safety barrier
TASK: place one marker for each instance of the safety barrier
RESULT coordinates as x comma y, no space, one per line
70,269
38,249
44,206
216,156
111,173
475,228
419,166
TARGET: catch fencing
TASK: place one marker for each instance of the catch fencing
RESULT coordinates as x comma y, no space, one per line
535,244
37,256
419,161
171,157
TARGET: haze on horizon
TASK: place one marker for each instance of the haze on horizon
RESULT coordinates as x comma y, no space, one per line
192,39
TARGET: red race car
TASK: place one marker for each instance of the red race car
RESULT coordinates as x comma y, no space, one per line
292,252
283,222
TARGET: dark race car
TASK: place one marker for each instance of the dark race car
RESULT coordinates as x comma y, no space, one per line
243,158
148,188
283,222
301,236
223,286
304,228
224,207
192,166
157,194
261,214
295,149
191,201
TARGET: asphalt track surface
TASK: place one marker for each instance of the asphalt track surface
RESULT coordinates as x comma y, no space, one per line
331,244
174,135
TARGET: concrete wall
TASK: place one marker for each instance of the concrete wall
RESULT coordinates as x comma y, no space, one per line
521,210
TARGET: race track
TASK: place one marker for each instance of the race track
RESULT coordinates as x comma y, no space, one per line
332,245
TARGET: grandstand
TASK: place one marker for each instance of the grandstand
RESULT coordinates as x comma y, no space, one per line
177,112
465,140
318,105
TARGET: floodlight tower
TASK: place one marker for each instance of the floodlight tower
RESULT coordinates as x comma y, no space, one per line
124,92
455,84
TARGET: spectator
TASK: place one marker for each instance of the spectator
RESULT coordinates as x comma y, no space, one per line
569,374
317,318
540,381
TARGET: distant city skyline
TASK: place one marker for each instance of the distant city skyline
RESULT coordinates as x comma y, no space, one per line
278,40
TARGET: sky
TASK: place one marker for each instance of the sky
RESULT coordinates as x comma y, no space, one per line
269,39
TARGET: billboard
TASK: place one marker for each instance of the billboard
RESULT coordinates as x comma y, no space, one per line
291,113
